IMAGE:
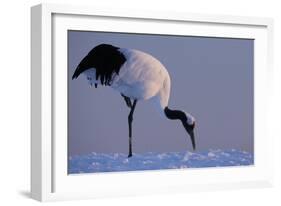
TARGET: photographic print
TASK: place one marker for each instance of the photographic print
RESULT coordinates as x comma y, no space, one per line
151,102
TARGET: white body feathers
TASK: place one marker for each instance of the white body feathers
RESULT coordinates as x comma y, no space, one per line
141,77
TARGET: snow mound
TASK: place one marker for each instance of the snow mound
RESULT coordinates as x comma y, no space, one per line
113,162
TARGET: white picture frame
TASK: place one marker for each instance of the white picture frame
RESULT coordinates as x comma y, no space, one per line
49,179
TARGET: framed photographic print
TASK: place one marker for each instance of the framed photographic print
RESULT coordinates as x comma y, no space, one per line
135,102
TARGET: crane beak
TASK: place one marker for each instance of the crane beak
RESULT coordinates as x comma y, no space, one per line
190,130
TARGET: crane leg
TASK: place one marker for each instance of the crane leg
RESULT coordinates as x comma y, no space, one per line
130,121
127,100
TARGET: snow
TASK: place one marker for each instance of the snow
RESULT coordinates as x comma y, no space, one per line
113,162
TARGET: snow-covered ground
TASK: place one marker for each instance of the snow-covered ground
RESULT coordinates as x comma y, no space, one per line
112,162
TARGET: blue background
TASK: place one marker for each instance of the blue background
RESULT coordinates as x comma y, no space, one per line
212,78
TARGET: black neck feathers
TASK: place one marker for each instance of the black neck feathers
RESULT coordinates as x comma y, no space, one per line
175,114
106,59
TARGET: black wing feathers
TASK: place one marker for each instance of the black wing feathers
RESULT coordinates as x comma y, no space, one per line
106,59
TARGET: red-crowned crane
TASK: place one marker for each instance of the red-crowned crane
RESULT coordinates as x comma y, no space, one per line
137,76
